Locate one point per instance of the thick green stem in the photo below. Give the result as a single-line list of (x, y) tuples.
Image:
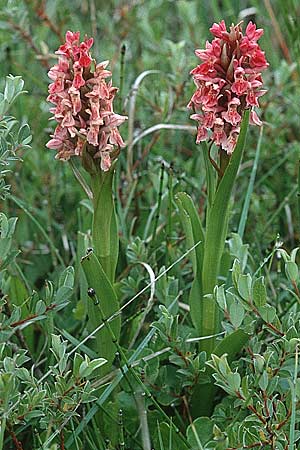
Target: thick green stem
[(216, 231), (2, 431), (213, 250), (100, 265), (105, 233)]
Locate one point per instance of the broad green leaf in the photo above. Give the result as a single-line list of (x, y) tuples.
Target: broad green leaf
[(234, 380), (292, 272), (78, 359), (97, 279), (232, 344), (216, 231), (188, 231), (194, 233), (13, 88), (24, 135), (220, 298), (66, 283), (217, 220), (194, 228), (259, 292), (237, 314), (244, 286), (263, 381), (40, 308), (19, 295), (3, 225), (267, 313), (238, 249), (88, 367), (236, 272), (201, 430), (83, 243), (105, 233), (294, 254), (195, 303), (66, 278)]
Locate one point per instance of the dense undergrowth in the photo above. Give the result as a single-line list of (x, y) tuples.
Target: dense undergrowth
[(53, 393)]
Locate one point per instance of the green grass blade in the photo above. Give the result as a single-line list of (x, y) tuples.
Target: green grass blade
[(39, 226), (293, 384), (160, 440), (249, 192), (211, 178)]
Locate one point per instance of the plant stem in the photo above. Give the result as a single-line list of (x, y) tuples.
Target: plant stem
[(208, 323), (216, 231), (122, 66), (162, 170), (245, 210), (105, 233), (2, 431), (298, 196), (294, 403)]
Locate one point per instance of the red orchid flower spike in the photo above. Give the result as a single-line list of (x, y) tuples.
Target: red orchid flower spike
[(228, 81), (83, 102)]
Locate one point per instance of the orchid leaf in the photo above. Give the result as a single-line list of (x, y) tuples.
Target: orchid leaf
[(105, 234), (211, 179), (194, 233), (192, 227), (98, 280), (216, 234), (232, 344)]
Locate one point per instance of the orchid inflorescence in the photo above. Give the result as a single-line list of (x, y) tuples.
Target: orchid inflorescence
[(83, 104), (228, 82)]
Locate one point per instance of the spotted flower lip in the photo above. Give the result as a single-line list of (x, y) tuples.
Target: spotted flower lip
[(228, 81), (83, 104)]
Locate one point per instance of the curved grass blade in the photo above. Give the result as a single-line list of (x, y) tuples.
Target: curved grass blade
[(249, 192)]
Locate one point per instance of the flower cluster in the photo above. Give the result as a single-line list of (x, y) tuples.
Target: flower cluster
[(228, 82), (83, 104)]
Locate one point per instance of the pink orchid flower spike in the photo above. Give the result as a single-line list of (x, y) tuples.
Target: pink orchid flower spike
[(228, 81), (83, 105)]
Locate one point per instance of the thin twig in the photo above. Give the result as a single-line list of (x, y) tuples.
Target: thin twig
[(27, 38), (163, 126), (278, 34), (81, 180)]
